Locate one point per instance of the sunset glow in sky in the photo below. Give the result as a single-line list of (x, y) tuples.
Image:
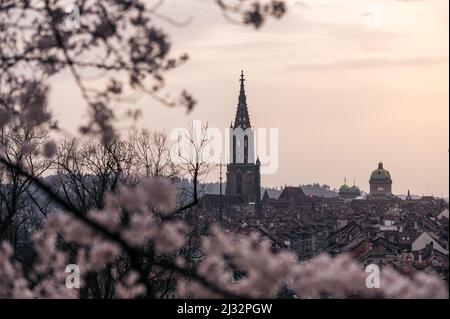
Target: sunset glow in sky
[(347, 84)]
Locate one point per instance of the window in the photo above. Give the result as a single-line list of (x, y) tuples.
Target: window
[(246, 149), (239, 183), (234, 148)]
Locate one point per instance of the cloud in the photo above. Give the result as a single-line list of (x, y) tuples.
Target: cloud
[(357, 64)]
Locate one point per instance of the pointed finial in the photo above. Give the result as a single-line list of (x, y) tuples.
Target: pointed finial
[(242, 118)]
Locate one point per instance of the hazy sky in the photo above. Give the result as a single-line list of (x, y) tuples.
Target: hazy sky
[(347, 83)]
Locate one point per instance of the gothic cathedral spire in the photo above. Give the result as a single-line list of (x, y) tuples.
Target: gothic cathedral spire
[(242, 119), (243, 174)]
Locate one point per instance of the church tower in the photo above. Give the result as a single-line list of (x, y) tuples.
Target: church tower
[(243, 173)]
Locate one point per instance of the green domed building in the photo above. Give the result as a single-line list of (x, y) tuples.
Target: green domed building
[(355, 190), (346, 192), (380, 183)]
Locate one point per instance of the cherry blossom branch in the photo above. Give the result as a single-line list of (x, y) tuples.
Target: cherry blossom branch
[(134, 253)]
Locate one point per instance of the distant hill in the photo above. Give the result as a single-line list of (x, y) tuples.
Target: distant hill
[(309, 189), (319, 190)]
